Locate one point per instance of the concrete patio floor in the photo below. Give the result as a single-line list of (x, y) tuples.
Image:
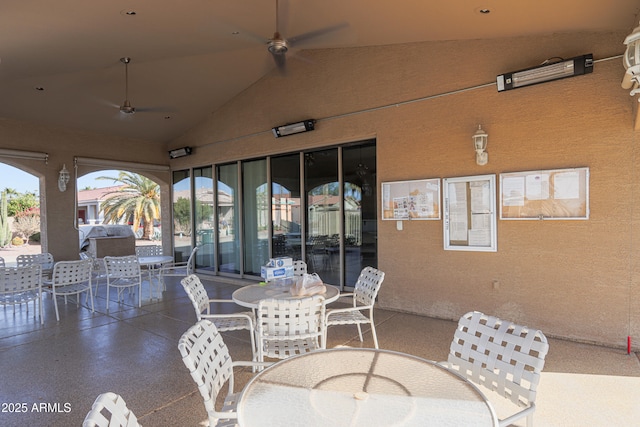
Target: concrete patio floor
[(133, 352)]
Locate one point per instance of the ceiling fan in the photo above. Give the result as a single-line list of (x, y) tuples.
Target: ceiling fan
[(278, 45), (126, 109)]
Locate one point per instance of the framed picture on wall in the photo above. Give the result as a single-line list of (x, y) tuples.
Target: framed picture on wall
[(470, 213), (410, 200)]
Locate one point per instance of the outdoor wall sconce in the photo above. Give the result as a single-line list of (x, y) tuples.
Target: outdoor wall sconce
[(631, 61), (63, 178), (480, 145)]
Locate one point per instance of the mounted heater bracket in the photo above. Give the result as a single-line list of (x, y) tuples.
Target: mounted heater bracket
[(547, 72), (293, 128)]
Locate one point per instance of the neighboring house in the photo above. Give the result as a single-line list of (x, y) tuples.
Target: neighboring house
[(89, 202)]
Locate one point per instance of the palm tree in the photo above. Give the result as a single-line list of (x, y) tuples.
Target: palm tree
[(138, 198)]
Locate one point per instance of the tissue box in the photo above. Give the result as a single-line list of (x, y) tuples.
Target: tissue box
[(280, 262), (271, 273)]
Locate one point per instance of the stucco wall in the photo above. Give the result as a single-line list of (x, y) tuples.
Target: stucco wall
[(575, 279)]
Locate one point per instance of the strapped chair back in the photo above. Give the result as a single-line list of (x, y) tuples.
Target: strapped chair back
[(21, 285), (207, 357), (299, 268), (367, 286), (45, 260), (71, 278), (285, 328), (123, 272), (149, 250), (110, 410), (502, 356)]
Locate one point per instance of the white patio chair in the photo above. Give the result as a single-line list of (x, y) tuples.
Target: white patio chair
[(224, 322), (299, 268), (21, 285), (123, 272), (45, 260), (207, 357), (363, 297), (503, 357), (71, 278), (285, 328), (178, 269), (110, 410), (97, 270)]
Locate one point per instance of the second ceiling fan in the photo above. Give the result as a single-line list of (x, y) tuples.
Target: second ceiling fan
[(278, 45)]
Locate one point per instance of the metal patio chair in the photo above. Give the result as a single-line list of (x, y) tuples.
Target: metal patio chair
[(123, 272), (289, 327), (502, 356), (110, 410), (71, 278), (364, 297), (207, 357), (224, 322), (21, 285)]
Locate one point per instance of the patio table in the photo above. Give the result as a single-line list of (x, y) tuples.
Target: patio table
[(249, 296), (361, 387), (150, 263)]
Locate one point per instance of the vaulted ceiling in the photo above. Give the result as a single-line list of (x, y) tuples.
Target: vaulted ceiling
[(60, 60)]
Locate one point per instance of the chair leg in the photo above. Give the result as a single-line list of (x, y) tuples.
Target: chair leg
[(373, 333), (55, 304)]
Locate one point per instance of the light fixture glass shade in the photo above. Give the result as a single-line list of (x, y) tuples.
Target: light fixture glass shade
[(631, 62), (63, 178), (480, 139)]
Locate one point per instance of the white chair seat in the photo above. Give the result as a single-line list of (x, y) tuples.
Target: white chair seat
[(347, 318), (229, 322)]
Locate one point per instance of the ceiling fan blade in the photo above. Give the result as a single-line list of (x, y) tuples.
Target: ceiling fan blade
[(305, 37)]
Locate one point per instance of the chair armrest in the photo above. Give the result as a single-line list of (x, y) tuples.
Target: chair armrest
[(347, 309), (221, 300), (346, 294)]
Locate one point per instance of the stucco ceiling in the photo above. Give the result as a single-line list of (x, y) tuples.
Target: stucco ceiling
[(60, 60)]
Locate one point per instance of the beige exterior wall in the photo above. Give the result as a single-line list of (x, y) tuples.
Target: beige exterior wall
[(575, 279)]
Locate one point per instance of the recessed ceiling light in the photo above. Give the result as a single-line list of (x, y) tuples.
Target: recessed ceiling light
[(484, 11), (128, 12), (39, 88), (167, 117), (235, 33)]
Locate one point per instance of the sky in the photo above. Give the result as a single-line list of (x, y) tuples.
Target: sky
[(23, 182)]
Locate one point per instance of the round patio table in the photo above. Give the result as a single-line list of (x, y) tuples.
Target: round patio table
[(150, 263), (249, 296), (361, 387)]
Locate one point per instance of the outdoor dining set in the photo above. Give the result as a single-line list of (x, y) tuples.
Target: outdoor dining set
[(38, 274), (490, 377)]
